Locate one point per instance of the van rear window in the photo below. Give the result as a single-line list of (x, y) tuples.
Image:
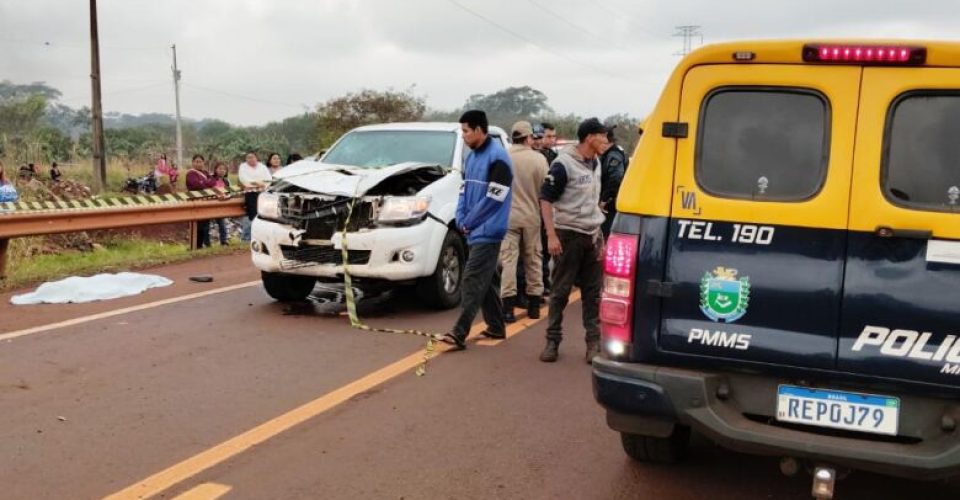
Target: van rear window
[(921, 167), (766, 144)]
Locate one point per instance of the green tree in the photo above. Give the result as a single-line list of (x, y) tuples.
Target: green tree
[(566, 125), (53, 143), (21, 115), (13, 91), (300, 131), (366, 107), (511, 104), (626, 131)]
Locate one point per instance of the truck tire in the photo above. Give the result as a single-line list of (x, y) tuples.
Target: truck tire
[(441, 290), (668, 450), (287, 287)]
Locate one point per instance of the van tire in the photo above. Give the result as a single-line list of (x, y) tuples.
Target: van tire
[(666, 450), (287, 287), (441, 290)]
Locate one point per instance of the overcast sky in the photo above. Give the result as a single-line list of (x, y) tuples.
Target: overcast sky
[(254, 61)]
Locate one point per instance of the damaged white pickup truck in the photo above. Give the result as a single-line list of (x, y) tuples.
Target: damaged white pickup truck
[(405, 178)]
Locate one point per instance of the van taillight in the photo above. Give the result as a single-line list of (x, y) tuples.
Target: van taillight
[(866, 54), (616, 302)]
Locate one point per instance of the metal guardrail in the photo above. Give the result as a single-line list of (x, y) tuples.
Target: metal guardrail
[(41, 218)]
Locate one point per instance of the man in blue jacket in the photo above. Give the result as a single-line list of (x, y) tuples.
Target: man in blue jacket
[(483, 212)]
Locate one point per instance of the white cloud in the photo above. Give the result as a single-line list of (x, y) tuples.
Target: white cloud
[(251, 61)]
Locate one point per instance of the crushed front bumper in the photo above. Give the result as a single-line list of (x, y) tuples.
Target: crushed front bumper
[(374, 253)]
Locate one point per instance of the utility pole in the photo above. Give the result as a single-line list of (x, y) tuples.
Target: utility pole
[(176, 93), (99, 145), (688, 33)]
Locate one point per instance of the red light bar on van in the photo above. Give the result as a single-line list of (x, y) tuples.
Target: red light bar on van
[(865, 54)]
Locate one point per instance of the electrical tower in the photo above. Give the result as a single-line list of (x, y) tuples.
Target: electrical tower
[(688, 33)]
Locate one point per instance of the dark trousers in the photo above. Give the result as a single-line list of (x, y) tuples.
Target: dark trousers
[(203, 233), (222, 231), (545, 261), (608, 222), (481, 290), (577, 265)]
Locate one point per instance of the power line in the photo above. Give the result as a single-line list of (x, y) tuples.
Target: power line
[(566, 21), (115, 92), (57, 45), (244, 97), (531, 42), (610, 11)]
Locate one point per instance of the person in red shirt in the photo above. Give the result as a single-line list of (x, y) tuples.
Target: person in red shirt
[(197, 180)]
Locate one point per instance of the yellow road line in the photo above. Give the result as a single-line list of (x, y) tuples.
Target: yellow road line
[(524, 322), (125, 310), (206, 491), (236, 445)]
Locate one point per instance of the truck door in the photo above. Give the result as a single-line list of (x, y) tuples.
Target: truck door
[(901, 316), (759, 215)]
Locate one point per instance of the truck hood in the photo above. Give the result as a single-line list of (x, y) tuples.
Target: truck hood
[(342, 180)]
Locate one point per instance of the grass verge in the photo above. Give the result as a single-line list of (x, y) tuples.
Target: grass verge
[(116, 255)]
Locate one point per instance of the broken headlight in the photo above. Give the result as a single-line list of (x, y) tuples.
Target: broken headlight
[(403, 208), (268, 206)]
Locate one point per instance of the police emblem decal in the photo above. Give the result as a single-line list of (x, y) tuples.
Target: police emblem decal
[(724, 297)]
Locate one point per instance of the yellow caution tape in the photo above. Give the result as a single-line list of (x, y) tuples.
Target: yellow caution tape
[(119, 202), (432, 338)]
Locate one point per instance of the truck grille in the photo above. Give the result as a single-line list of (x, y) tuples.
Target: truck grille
[(321, 217), (322, 254)]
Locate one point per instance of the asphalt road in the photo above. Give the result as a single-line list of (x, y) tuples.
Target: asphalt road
[(214, 391)]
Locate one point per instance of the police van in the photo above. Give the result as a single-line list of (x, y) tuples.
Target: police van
[(783, 276)]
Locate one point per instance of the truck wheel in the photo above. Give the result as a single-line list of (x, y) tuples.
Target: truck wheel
[(287, 287), (442, 288), (668, 450)]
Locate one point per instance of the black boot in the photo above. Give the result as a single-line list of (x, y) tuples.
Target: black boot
[(533, 307), (593, 349), (508, 304), (550, 353)]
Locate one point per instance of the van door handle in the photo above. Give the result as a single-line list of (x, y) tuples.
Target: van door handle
[(913, 234)]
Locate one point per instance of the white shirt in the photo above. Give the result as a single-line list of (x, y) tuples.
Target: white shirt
[(248, 175)]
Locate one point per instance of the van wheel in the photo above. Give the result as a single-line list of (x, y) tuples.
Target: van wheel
[(287, 287), (668, 450), (441, 289)]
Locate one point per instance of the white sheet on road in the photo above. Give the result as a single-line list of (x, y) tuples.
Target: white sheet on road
[(89, 289)]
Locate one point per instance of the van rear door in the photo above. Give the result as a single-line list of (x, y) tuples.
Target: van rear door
[(901, 306), (759, 214)]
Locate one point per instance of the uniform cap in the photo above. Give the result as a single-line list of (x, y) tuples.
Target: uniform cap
[(521, 129)]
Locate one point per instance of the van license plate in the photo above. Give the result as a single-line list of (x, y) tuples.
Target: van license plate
[(838, 410)]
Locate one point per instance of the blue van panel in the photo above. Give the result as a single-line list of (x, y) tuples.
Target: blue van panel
[(890, 286), (788, 291)]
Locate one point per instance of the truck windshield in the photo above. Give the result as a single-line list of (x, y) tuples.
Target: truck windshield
[(379, 148)]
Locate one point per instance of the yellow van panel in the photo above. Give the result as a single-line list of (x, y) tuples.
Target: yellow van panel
[(828, 208), (648, 183), (648, 187), (869, 208)]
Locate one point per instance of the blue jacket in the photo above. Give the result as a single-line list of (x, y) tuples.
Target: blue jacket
[(483, 210)]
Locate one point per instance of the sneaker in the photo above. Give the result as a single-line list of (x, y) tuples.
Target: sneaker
[(550, 352), (593, 349)]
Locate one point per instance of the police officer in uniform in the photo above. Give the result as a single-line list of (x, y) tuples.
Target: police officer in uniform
[(613, 165)]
